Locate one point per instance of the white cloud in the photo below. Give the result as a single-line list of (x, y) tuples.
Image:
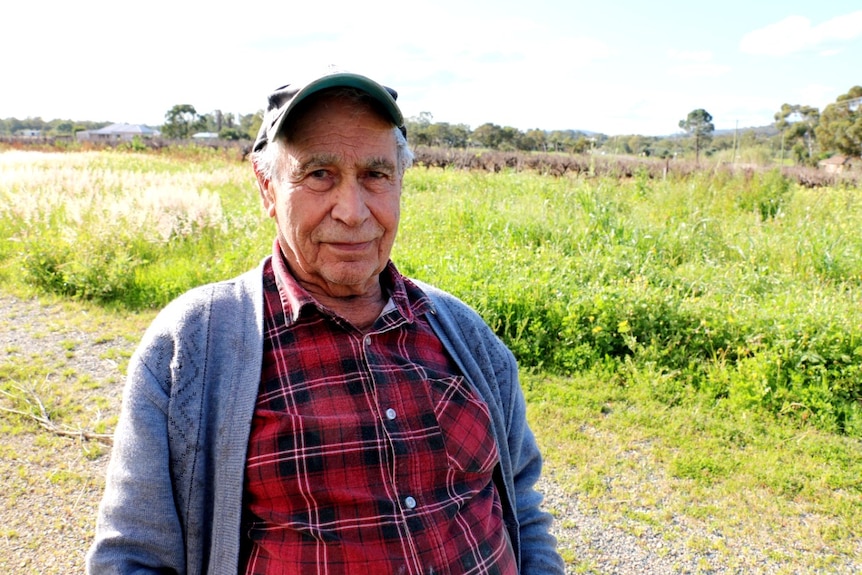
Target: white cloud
[(695, 65), (705, 70), (845, 27), (796, 33), (784, 37), (703, 56)]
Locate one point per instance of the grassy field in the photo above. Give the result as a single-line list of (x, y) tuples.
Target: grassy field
[(691, 348)]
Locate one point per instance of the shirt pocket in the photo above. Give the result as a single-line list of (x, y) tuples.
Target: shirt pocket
[(465, 424)]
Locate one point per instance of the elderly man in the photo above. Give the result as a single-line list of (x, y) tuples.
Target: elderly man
[(322, 413)]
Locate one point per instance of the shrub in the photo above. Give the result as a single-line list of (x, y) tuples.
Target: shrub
[(765, 194), (741, 289)]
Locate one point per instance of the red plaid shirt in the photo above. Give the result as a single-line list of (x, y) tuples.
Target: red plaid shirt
[(369, 453)]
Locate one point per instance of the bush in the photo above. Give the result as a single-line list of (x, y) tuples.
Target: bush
[(741, 289), (765, 194)]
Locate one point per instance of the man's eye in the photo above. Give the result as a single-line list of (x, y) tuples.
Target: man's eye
[(319, 180)]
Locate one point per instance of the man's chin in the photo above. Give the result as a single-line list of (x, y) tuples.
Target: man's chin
[(356, 282)]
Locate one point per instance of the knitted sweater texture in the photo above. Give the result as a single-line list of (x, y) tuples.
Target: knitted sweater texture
[(173, 495)]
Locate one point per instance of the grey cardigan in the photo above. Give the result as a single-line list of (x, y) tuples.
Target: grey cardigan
[(173, 495)]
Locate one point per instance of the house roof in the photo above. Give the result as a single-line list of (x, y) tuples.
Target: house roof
[(835, 160), (126, 129)]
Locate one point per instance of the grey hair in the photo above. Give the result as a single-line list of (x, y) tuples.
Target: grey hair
[(266, 160)]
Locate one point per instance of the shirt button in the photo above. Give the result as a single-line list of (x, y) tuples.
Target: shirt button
[(367, 340), (390, 414), (409, 502)]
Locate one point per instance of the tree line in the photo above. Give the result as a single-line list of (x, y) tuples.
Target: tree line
[(800, 132), (181, 122)]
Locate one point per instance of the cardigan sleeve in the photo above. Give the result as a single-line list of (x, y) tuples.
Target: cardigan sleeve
[(173, 494), (138, 529)]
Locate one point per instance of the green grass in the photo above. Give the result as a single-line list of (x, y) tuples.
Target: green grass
[(124, 228), (692, 348), (755, 482), (742, 289)]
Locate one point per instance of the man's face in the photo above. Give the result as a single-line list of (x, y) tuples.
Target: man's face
[(336, 197)]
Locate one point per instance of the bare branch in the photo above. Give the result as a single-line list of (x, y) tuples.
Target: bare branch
[(32, 399)]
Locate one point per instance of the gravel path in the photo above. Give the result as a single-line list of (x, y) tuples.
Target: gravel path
[(603, 548), (47, 524), (52, 484)]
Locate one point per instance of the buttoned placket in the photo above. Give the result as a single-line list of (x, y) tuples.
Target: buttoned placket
[(387, 414)]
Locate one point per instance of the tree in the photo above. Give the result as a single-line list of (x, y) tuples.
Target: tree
[(536, 139), (446, 135), (488, 135), (840, 127), (617, 145), (232, 134), (699, 125), (510, 139), (639, 145), (797, 124), (418, 128), (562, 140), (582, 145), (182, 121), (64, 127), (250, 124)]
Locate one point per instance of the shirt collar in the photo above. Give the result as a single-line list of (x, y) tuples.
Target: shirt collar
[(405, 298)]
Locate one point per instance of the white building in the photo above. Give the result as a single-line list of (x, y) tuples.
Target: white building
[(117, 133)]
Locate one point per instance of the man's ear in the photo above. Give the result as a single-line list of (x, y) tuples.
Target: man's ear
[(267, 193)]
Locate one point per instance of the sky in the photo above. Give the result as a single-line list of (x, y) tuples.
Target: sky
[(614, 67)]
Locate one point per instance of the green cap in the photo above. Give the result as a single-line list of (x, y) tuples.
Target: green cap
[(285, 99)]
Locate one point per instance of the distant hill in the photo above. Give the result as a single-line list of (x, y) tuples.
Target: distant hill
[(768, 130)]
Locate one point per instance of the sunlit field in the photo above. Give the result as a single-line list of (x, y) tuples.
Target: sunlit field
[(747, 289), (713, 320), (124, 228)]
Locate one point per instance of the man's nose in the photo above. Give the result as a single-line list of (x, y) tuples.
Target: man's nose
[(350, 202)]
